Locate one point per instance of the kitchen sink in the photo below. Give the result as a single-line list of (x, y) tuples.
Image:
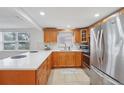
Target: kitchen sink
[(18, 57)]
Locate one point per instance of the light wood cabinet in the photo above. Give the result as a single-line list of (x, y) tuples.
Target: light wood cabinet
[(50, 35), (17, 77), (70, 59), (78, 59), (77, 34), (43, 72), (82, 35), (59, 59), (66, 59)]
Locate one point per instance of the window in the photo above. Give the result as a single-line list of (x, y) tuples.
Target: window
[(16, 40), (65, 38), (23, 41)]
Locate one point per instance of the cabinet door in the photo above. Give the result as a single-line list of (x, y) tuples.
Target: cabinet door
[(50, 36), (40, 75), (66, 59), (62, 59), (77, 34), (55, 59), (46, 36), (44, 71), (53, 36), (70, 59), (78, 59), (59, 59)]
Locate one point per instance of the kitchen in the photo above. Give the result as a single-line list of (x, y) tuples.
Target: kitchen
[(49, 46)]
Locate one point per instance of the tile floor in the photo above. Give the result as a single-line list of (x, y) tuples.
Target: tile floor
[(68, 76)]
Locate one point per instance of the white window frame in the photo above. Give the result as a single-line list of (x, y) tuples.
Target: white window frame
[(16, 41)]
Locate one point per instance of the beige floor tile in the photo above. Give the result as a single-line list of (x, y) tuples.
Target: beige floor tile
[(68, 76)]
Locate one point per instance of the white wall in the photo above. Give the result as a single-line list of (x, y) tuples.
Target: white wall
[(36, 37), (1, 46)]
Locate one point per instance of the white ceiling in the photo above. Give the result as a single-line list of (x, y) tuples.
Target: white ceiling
[(55, 17), (75, 17), (10, 19)]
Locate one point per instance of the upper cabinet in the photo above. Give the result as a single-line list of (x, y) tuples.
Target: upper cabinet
[(77, 34), (85, 34), (50, 35), (81, 35)]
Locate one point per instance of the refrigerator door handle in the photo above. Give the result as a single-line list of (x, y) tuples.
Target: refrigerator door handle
[(100, 47), (96, 38)]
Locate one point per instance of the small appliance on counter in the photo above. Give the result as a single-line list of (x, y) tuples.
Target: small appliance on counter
[(47, 47)]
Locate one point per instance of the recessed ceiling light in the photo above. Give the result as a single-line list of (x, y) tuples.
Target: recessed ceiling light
[(97, 15), (42, 13)]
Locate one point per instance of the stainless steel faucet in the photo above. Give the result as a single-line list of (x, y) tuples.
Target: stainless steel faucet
[(65, 47)]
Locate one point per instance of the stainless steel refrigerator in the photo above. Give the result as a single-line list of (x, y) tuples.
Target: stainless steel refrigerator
[(107, 48)]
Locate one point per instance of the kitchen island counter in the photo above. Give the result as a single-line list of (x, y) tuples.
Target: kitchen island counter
[(31, 61)]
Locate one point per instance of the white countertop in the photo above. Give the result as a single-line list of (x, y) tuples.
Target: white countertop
[(31, 62)]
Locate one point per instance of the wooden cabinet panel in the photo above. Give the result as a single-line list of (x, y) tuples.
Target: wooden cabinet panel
[(50, 35), (66, 59), (78, 59), (81, 35), (70, 59), (53, 36), (82, 62), (59, 59), (77, 34), (44, 71), (55, 59), (49, 64), (47, 36), (17, 77), (41, 74)]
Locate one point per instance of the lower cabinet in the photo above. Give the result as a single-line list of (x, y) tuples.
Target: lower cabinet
[(58, 59), (66, 59), (43, 72), (78, 59)]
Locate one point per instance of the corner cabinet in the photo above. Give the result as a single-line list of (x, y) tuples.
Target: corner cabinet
[(81, 35), (50, 35), (85, 34)]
